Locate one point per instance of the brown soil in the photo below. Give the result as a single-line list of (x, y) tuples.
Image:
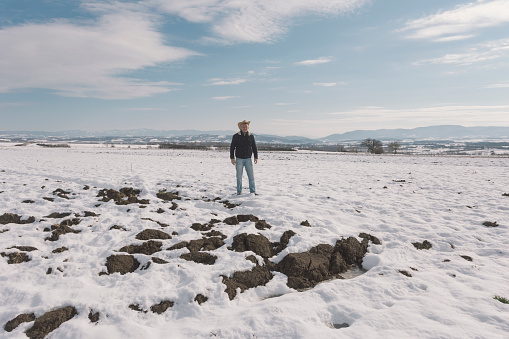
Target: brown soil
[(124, 196), (425, 245), (50, 321), (148, 234), (12, 324), (122, 264), (200, 258), (9, 218), (149, 247)]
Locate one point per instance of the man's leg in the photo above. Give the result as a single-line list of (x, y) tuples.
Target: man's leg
[(239, 166), (250, 175)]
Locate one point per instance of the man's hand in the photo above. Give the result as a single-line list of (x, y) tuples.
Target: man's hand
[(256, 161), (233, 161)]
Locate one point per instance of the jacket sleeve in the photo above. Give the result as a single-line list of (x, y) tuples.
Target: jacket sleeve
[(232, 148), (255, 149)]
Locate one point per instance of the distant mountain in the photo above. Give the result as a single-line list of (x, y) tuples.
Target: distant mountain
[(441, 132), (141, 132)]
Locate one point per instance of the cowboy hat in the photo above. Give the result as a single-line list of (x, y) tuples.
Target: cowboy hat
[(243, 122)]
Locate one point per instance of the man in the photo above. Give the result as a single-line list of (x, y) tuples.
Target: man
[(243, 146)]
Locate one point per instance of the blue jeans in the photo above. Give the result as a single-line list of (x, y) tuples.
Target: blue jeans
[(248, 164)]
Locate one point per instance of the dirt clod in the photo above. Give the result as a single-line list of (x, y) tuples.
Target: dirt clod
[(161, 307), (10, 218), (149, 234), (425, 245), (121, 263), (12, 324), (50, 321), (149, 247), (200, 258)]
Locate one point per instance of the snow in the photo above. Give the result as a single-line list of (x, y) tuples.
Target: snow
[(398, 199)]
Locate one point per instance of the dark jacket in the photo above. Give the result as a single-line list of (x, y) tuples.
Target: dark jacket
[(243, 146)]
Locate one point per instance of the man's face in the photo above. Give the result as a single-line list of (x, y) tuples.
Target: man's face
[(244, 127)]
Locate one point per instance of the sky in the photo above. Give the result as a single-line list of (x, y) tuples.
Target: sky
[(294, 67)]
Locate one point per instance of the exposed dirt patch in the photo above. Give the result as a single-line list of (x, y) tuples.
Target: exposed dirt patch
[(61, 193), (12, 324), (122, 264), (118, 227), (490, 224), (405, 273), (149, 247), (93, 316), (60, 250), (466, 257), (322, 262), (231, 220), (50, 321), (157, 222), (258, 276), (256, 243), (229, 204), (56, 215), (124, 196), (24, 248), (10, 218), (161, 307), (200, 258), (205, 244), (16, 257), (425, 245), (63, 228), (149, 234), (200, 299), (259, 244), (159, 261), (90, 214), (168, 196)]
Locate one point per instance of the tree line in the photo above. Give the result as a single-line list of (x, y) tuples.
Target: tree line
[(376, 146)]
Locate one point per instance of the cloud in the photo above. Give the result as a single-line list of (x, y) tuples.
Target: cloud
[(89, 59), (285, 103), (484, 52), (445, 114), (257, 21), (325, 84), (322, 60), (506, 85), (224, 98), (463, 22), (220, 82)]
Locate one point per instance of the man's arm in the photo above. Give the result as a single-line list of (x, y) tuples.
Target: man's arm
[(255, 150), (232, 150)]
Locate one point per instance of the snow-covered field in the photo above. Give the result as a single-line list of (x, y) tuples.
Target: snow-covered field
[(446, 291)]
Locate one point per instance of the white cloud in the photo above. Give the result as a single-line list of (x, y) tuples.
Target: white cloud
[(446, 114), (220, 82), (484, 52), (506, 85), (322, 60), (285, 103), (251, 20), (86, 60), (224, 98), (325, 84), (462, 22)]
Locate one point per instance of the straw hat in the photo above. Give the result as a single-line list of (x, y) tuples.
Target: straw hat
[(243, 122)]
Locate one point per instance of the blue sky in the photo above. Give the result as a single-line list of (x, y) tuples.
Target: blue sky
[(293, 67)]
